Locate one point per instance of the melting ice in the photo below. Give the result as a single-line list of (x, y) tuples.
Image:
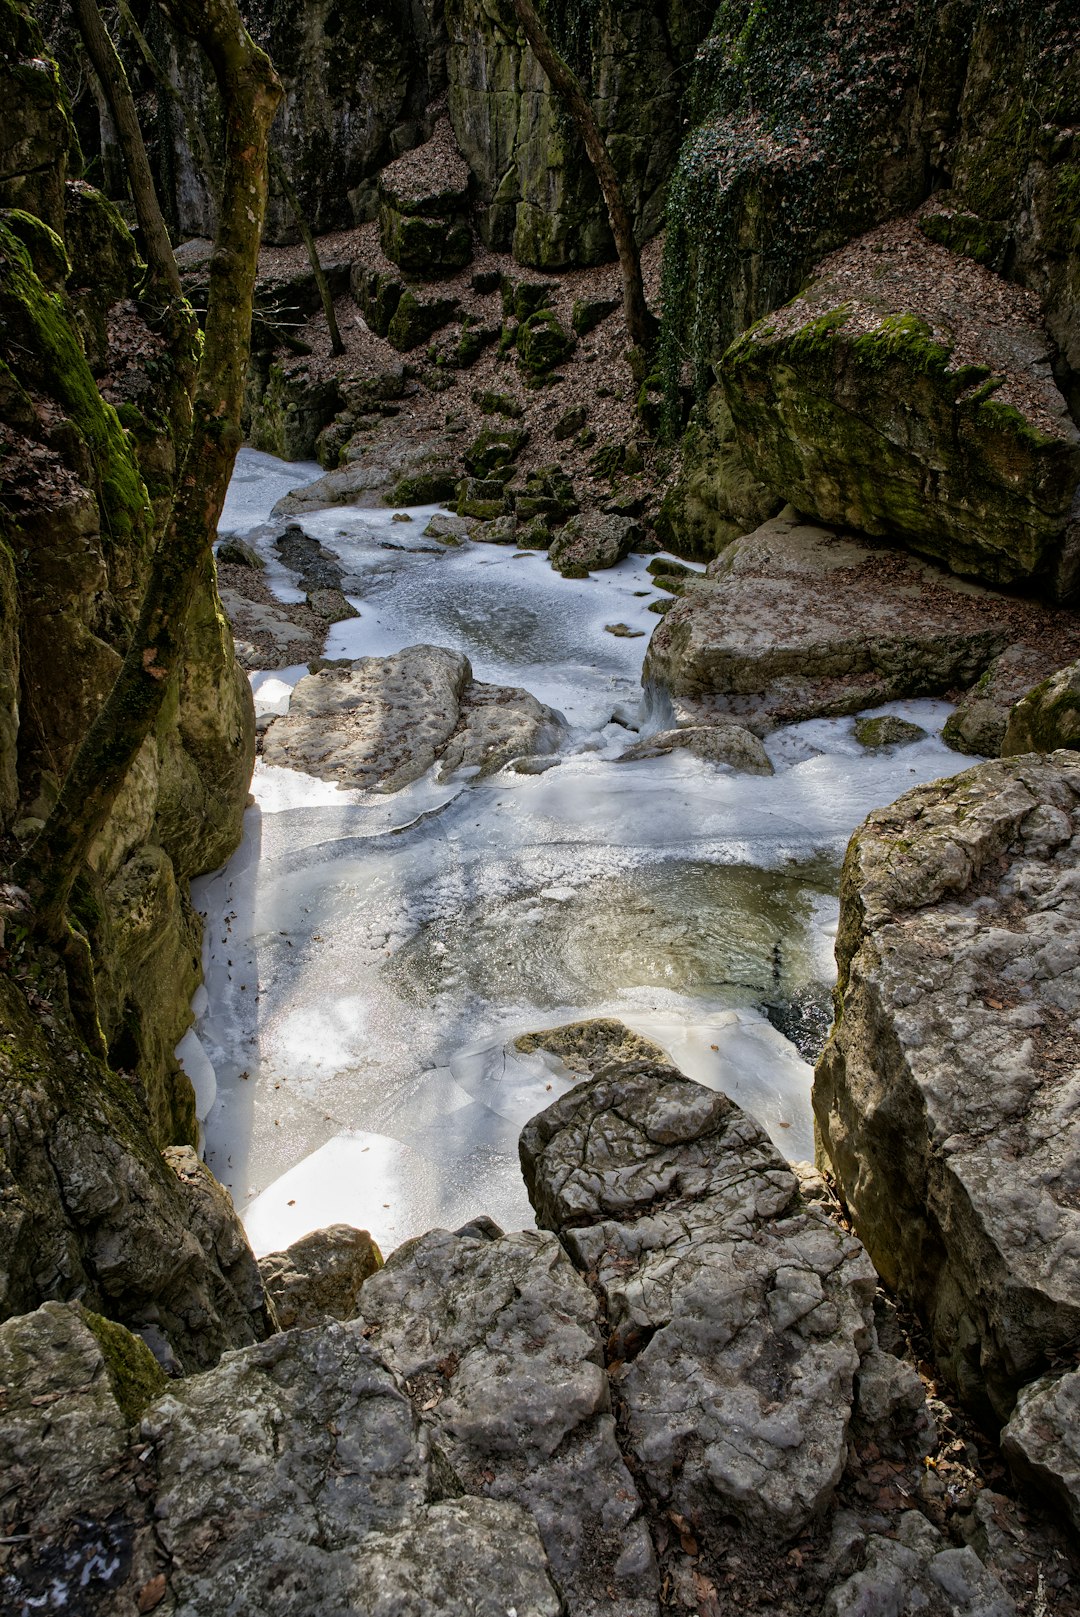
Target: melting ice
[(370, 960)]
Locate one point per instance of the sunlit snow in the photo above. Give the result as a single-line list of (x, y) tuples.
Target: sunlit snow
[(370, 959)]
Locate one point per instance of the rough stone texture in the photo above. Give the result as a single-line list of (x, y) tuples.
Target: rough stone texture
[(319, 1277), (1042, 1440), (423, 223), (798, 621), (714, 498), (497, 1342), (981, 717), (376, 464), (385, 720), (1048, 717), (538, 193), (740, 1316), (726, 744), (585, 1047), (947, 1097), (918, 1571), (887, 731), (592, 541), (294, 1478), (908, 394)]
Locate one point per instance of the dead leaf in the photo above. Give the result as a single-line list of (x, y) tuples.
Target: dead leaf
[(153, 1593)]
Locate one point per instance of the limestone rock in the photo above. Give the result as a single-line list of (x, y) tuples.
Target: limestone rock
[(714, 498), (740, 1316), (497, 1342), (1042, 1440), (319, 1277), (1046, 718), (726, 744), (919, 1572), (585, 1047), (908, 394), (982, 714), (592, 541), (423, 221), (946, 1096), (887, 731), (383, 721), (799, 621), (383, 467)]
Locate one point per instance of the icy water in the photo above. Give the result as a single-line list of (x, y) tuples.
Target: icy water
[(371, 959)]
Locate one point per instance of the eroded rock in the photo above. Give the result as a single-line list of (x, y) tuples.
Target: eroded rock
[(728, 744), (1042, 1440), (739, 1314), (947, 1097), (1046, 718), (319, 1277)]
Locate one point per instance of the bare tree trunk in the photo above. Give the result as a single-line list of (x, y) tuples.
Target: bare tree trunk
[(113, 172), (639, 322), (277, 169), (114, 81), (250, 93)]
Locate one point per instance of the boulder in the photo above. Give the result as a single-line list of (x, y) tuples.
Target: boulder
[(919, 1571), (382, 722), (319, 1277), (592, 541), (714, 498), (888, 730), (1046, 718), (543, 343), (738, 1316), (587, 1046), (798, 621), (946, 1096), (982, 715), (423, 220), (383, 467), (497, 1341), (1042, 1439), (726, 744), (907, 393)]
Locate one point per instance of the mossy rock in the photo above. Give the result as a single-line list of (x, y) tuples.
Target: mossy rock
[(570, 423), (473, 341), (588, 313), (482, 498), (888, 730), (520, 299), (543, 343), (417, 318), (1048, 717), (377, 295), (499, 404), (424, 488), (134, 1374), (493, 449), (424, 246)]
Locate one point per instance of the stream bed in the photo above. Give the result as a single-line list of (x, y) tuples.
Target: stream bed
[(370, 959)]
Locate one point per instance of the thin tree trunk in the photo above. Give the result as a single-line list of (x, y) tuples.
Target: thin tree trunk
[(196, 133), (250, 93), (114, 81), (564, 81), (277, 169)]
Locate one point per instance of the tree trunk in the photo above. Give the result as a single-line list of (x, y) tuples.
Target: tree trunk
[(277, 168), (250, 93), (639, 322), (114, 81)]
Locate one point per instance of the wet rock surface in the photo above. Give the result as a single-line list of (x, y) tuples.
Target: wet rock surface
[(797, 620), (729, 744), (383, 721), (947, 1095)]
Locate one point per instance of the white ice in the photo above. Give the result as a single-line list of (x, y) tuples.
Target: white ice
[(370, 959)]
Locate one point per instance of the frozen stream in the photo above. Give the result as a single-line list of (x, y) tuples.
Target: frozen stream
[(370, 959)]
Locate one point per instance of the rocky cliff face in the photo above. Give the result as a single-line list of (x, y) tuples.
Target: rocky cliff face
[(92, 422)]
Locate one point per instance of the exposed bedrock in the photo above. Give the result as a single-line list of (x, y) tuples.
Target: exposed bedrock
[(907, 393), (383, 721), (738, 1315), (948, 1097), (797, 620)]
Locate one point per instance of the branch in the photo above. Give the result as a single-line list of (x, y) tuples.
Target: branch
[(277, 169)]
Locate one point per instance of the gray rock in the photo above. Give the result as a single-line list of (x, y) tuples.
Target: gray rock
[(1042, 1440), (982, 714), (498, 1345), (728, 744), (447, 528), (793, 622), (384, 721), (1046, 718), (591, 542), (319, 1277), (946, 1095), (919, 1573), (331, 605), (238, 553), (887, 731), (739, 1315)]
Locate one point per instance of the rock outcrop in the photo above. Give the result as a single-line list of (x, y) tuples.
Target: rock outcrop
[(1047, 717), (383, 721), (798, 620), (947, 1095), (907, 393)]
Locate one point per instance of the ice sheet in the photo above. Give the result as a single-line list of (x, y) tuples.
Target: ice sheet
[(369, 960)]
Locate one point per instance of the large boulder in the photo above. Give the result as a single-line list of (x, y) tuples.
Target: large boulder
[(946, 1095), (383, 721), (738, 1315), (798, 621), (1047, 717), (423, 220), (497, 1340), (907, 393)]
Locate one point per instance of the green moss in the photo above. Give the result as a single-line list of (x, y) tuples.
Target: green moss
[(134, 1374)]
